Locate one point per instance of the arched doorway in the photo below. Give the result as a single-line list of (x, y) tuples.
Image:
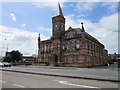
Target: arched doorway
[(55, 60)]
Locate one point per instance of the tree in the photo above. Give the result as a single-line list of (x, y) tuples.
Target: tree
[(16, 56), (7, 59), (13, 56)]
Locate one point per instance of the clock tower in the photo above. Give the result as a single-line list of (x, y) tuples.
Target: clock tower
[(58, 23)]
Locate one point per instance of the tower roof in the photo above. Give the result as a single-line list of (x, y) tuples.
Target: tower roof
[(58, 10)]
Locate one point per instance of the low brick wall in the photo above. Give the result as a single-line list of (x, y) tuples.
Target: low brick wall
[(39, 64), (16, 64)]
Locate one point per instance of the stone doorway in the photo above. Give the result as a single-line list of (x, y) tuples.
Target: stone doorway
[(55, 60)]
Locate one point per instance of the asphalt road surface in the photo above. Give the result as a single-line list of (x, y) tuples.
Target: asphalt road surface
[(87, 71), (21, 80)]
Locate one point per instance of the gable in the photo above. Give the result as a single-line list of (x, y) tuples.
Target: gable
[(72, 32)]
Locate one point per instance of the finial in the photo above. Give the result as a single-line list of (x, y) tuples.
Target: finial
[(39, 37), (39, 40), (83, 30), (82, 23)]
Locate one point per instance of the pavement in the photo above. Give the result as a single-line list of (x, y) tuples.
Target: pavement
[(81, 73)]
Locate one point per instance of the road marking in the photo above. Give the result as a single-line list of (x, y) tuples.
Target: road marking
[(68, 83), (19, 85), (3, 81)]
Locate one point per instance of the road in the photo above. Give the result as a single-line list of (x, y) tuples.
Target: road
[(21, 80), (103, 72), (97, 74)]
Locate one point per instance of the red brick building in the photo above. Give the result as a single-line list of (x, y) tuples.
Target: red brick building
[(72, 47), (114, 56)]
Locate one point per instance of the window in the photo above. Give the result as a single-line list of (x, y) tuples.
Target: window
[(66, 58), (45, 48), (75, 58), (68, 45), (63, 46), (88, 45), (49, 58), (70, 35), (62, 26), (57, 46), (73, 45), (42, 59), (77, 44), (49, 47)]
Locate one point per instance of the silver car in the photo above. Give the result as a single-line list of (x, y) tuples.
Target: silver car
[(6, 64), (1, 64)]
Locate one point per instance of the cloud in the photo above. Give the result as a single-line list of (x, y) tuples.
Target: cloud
[(82, 7), (103, 30), (44, 31), (17, 39), (85, 6), (44, 4), (48, 3), (60, 0), (23, 25), (12, 16), (112, 6)]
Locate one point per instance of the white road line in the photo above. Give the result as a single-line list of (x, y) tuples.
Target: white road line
[(68, 83), (19, 85), (3, 81)]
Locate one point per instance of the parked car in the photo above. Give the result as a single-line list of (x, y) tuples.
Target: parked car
[(6, 64), (1, 64)]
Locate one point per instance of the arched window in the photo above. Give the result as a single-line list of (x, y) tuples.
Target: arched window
[(77, 44), (50, 47), (75, 58), (66, 58), (73, 44), (68, 45), (41, 48), (63, 46), (49, 59), (57, 43), (44, 48)]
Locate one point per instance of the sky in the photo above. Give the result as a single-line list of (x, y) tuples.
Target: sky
[(21, 22)]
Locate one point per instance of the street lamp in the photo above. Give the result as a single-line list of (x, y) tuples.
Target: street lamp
[(6, 45)]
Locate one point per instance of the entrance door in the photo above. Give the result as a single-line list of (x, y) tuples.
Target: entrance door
[(56, 59)]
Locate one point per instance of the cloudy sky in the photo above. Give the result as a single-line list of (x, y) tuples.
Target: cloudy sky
[(23, 21)]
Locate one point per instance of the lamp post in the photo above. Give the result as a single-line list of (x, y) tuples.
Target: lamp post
[(6, 45)]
